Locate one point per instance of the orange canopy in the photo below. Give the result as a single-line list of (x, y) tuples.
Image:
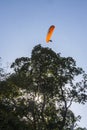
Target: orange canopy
[(49, 34)]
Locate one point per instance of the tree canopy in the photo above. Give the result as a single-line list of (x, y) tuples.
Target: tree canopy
[(39, 93)]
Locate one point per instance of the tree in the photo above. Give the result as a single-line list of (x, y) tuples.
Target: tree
[(1, 71), (8, 93), (46, 88)]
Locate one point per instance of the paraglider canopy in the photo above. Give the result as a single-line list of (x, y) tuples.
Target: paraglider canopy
[(49, 34)]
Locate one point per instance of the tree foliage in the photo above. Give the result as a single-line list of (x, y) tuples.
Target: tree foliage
[(40, 92)]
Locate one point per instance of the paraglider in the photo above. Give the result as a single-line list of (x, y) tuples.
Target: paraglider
[(49, 34)]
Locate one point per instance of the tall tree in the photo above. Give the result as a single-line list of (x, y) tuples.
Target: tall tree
[(46, 87)]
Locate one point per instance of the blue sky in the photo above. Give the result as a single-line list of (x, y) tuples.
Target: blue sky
[(24, 24)]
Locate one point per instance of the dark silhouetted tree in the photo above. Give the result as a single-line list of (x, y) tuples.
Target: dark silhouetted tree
[(43, 88)]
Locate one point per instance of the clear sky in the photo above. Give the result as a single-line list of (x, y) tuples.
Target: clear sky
[(24, 24)]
